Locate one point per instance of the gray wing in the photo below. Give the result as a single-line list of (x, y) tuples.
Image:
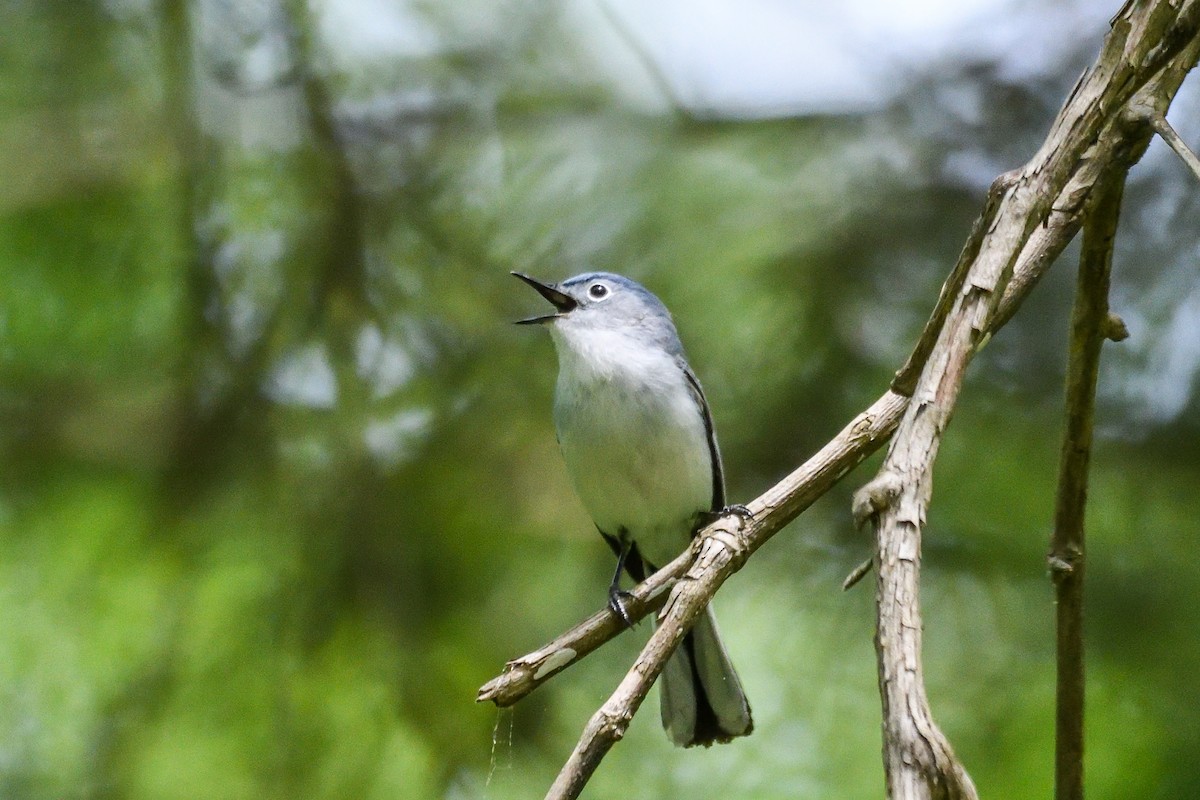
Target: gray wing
[(718, 472)]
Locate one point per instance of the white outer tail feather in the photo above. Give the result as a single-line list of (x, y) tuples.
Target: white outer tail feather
[(720, 684)]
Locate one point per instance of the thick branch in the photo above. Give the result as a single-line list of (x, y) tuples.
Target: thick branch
[(1089, 327), (919, 761)]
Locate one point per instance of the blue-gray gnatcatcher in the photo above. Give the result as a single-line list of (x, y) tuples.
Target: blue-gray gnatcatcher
[(638, 441)]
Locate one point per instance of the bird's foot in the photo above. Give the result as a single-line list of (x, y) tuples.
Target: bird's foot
[(616, 602), (738, 510)]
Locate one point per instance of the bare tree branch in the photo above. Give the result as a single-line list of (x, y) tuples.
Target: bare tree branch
[(906, 378), (786, 500), (1029, 218), (1089, 325), (1164, 129), (797, 491), (772, 511), (918, 759), (722, 551), (522, 675)]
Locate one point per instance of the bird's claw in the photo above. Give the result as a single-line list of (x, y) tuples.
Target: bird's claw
[(616, 602), (738, 510)]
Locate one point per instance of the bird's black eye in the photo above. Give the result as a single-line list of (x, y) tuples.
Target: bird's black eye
[(598, 291)]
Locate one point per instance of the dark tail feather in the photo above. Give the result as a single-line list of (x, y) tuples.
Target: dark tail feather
[(702, 697)]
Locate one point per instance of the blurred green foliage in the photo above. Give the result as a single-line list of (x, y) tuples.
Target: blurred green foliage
[(278, 486)]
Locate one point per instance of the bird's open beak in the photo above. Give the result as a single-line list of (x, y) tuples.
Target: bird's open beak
[(563, 302)]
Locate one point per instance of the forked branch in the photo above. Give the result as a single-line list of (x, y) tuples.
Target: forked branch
[(1029, 218), (918, 759)]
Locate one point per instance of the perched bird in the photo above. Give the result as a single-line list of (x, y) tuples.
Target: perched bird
[(638, 441)]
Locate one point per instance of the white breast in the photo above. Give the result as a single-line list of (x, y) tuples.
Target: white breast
[(634, 440)]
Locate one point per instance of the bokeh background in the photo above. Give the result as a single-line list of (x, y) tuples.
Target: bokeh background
[(278, 484)]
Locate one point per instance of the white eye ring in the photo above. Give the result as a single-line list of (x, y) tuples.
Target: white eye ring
[(597, 291)]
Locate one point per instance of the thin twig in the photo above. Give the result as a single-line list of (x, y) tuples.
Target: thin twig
[(906, 378), (1089, 326), (522, 675), (1164, 129), (771, 511), (857, 574), (722, 550)]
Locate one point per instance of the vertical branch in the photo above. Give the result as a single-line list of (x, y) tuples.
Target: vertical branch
[(1090, 325)]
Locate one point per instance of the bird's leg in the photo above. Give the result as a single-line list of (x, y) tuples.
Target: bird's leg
[(617, 595)]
